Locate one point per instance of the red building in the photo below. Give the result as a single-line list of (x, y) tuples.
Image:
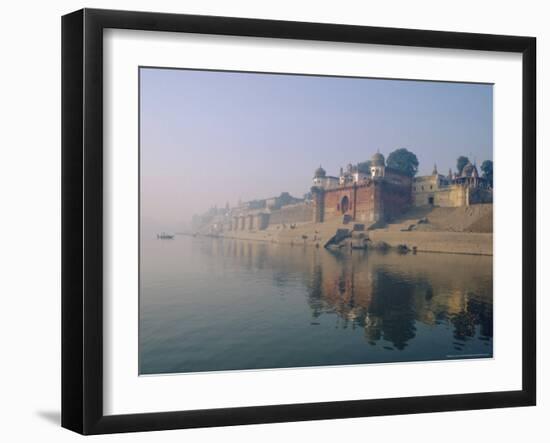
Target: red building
[(363, 197)]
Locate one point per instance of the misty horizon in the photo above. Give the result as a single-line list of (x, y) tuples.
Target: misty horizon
[(211, 138)]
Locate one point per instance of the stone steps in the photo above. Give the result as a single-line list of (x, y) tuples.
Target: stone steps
[(460, 219)]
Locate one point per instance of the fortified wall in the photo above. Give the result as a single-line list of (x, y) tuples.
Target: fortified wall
[(297, 213), (370, 194), (451, 196), (370, 202), (260, 219), (365, 196), (452, 191)]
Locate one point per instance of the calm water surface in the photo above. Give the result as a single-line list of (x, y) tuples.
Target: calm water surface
[(213, 304)]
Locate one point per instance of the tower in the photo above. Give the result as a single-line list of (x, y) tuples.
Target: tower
[(378, 165), (319, 177)]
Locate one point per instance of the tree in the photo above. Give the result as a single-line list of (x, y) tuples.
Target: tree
[(460, 163), (404, 161), (364, 167), (487, 171)]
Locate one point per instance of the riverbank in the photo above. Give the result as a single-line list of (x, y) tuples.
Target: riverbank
[(461, 230), (443, 242), (317, 234)]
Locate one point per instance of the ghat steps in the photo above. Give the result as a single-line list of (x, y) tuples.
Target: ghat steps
[(475, 218)]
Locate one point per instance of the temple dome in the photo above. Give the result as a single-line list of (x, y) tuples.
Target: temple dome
[(378, 160), (468, 170), (320, 172)]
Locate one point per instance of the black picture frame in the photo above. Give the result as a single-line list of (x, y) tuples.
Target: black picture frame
[(82, 218)]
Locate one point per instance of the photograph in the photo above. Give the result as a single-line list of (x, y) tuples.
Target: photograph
[(275, 222), (291, 220)]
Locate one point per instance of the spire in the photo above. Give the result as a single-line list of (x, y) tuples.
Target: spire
[(450, 174), (434, 172)]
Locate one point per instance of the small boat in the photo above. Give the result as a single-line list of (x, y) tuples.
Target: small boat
[(165, 236)]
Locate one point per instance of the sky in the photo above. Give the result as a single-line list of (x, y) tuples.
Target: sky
[(212, 137)]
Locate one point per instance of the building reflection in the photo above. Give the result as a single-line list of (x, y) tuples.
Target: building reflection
[(388, 295)]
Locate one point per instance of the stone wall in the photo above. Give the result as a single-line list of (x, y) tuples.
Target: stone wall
[(318, 195), (394, 200), (361, 203), (447, 197), (453, 196), (261, 221), (368, 203), (333, 200), (298, 213), (397, 178)]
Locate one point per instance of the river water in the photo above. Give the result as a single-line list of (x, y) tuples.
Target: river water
[(211, 304)]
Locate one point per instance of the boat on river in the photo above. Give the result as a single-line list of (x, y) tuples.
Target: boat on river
[(165, 236)]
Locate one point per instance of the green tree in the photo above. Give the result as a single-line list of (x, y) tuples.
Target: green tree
[(460, 163), (487, 171), (364, 167), (403, 160)]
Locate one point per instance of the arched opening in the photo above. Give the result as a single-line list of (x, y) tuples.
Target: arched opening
[(344, 205)]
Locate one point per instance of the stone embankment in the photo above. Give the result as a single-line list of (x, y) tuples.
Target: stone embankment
[(475, 218), (465, 230), (446, 242)]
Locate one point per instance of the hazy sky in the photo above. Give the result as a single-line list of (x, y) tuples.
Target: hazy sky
[(208, 138)]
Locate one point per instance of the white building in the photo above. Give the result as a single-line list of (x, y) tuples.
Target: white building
[(378, 165), (324, 181)]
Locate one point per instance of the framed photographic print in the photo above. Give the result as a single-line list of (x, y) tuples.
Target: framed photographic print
[(270, 221)]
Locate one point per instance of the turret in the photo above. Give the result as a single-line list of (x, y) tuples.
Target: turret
[(378, 165), (320, 172)]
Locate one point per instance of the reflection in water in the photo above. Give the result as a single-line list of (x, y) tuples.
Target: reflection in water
[(212, 304), (389, 297)]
